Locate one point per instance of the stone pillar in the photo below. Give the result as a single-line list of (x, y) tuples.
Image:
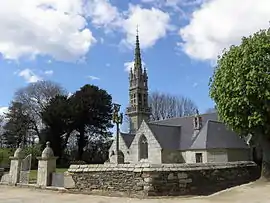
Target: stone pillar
[(46, 166), (15, 165)]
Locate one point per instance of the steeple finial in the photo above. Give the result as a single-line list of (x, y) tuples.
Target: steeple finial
[(137, 60)]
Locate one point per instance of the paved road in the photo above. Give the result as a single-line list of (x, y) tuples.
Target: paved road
[(250, 193)]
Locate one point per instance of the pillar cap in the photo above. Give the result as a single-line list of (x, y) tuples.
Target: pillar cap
[(47, 152), (19, 152)]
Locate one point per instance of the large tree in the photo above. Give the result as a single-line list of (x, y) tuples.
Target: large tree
[(35, 97), (240, 87), (17, 125), (57, 118), (164, 106), (92, 114)]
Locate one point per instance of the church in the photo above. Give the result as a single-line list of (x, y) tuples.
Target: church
[(193, 139)]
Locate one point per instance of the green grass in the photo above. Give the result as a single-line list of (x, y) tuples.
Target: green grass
[(33, 174)]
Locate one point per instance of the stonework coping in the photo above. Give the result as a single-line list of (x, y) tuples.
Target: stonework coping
[(47, 152), (18, 154), (143, 167)]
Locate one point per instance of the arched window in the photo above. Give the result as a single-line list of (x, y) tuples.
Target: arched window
[(143, 148)]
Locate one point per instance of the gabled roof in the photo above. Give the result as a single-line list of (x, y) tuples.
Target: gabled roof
[(215, 135), (167, 136), (186, 124), (128, 138)]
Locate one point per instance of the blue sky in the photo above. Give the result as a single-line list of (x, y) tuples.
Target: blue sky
[(79, 42)]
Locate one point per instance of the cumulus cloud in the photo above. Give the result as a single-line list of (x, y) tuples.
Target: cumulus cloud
[(44, 27), (153, 25), (102, 13), (130, 65), (217, 24), (153, 20), (29, 76)]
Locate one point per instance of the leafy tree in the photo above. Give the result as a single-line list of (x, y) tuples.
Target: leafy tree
[(240, 87), (35, 97), (57, 118), (17, 125), (92, 112), (166, 106)]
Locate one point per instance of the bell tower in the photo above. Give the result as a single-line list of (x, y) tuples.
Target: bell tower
[(138, 109)]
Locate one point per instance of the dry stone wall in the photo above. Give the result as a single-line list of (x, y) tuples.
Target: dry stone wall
[(161, 180)]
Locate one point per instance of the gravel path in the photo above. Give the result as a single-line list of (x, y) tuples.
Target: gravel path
[(250, 193)]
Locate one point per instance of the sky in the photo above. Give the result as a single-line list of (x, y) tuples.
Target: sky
[(78, 42)]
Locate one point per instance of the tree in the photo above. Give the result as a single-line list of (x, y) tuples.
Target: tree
[(166, 106), (57, 118), (92, 112), (17, 125), (35, 97), (240, 87)]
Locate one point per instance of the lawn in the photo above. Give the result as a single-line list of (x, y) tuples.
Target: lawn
[(33, 174)]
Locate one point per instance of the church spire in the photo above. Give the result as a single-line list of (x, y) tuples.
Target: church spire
[(137, 60)]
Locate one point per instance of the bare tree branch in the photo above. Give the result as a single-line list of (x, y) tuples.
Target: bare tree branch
[(166, 106), (35, 97)]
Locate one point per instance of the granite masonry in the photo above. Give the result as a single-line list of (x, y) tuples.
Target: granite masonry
[(161, 179)]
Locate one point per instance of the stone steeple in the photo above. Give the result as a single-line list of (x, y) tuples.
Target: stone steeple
[(138, 109)]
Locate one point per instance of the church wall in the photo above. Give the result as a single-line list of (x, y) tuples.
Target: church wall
[(190, 156), (239, 154), (154, 149), (172, 156), (122, 147), (217, 155)]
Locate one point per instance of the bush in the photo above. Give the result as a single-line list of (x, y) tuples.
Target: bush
[(5, 153)]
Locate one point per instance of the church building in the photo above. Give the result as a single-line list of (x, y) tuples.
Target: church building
[(193, 139)]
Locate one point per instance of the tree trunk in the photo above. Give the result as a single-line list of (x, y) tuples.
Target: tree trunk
[(81, 144), (265, 173)]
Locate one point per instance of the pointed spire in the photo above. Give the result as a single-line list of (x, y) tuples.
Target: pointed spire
[(137, 60)]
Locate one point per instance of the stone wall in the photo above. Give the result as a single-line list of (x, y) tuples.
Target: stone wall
[(161, 180)]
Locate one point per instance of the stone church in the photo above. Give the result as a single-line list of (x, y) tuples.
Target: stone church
[(193, 139)]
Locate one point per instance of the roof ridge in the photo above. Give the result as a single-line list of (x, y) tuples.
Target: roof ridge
[(190, 116), (164, 125)]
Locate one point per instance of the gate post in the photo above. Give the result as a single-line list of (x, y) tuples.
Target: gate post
[(46, 166), (15, 165)]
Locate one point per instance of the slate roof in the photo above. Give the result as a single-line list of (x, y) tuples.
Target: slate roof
[(186, 133), (215, 135), (167, 136), (128, 138), (177, 134)]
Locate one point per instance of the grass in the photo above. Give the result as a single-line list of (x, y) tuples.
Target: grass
[(33, 174)]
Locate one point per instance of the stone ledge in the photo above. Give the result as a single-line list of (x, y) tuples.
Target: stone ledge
[(144, 167)]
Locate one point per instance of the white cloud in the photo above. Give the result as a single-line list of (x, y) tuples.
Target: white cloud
[(91, 77), (130, 65), (48, 72), (153, 25), (102, 13), (44, 27), (217, 24), (154, 21), (3, 109), (29, 76)]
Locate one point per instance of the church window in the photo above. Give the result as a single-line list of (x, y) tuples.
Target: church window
[(198, 157), (143, 148)]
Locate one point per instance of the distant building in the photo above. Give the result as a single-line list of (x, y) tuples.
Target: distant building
[(193, 139)]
